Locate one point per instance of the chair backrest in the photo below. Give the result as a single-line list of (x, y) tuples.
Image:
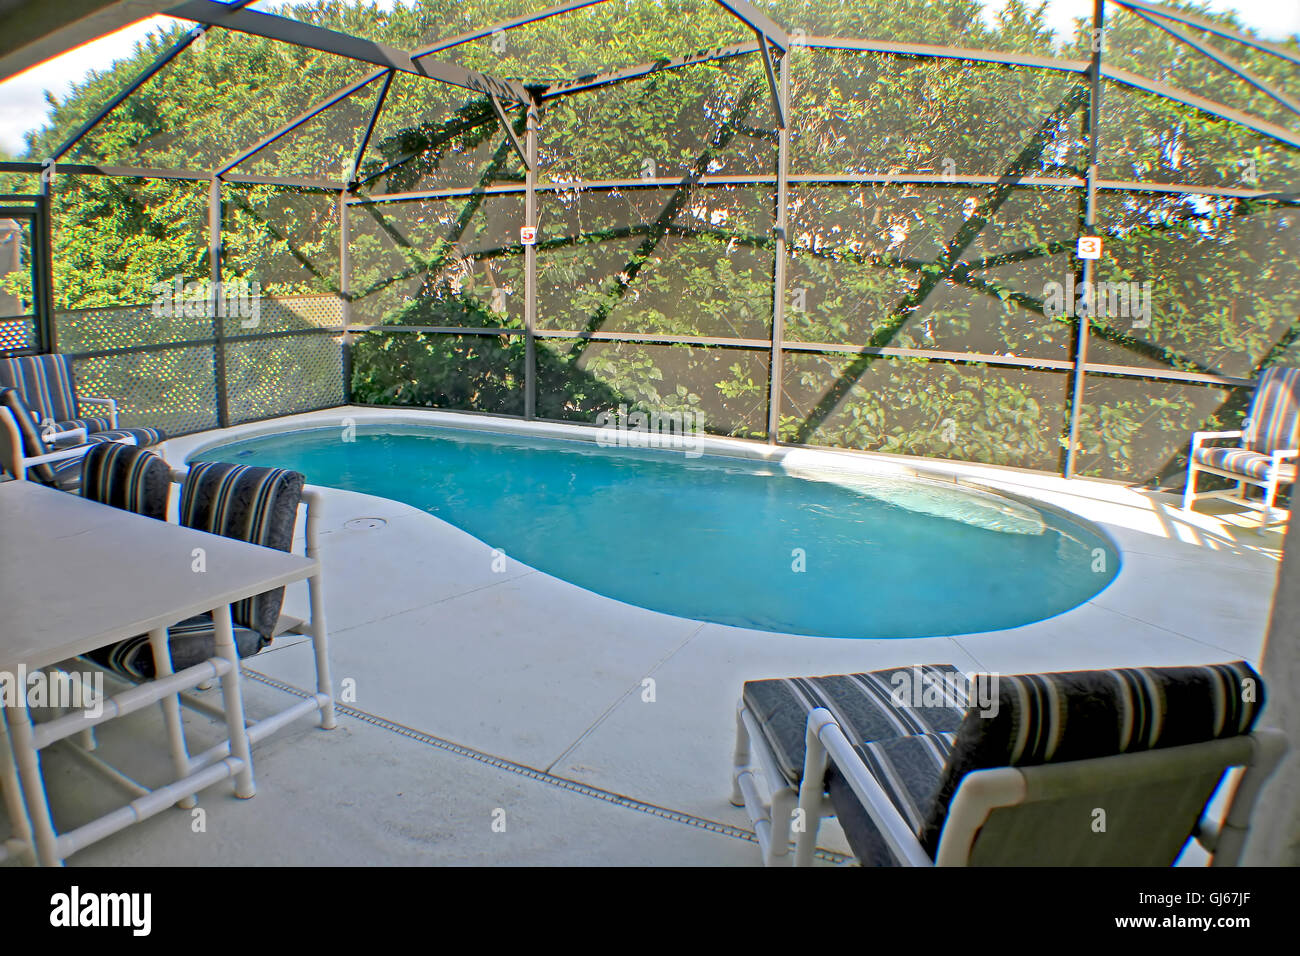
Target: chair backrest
[(254, 504), (45, 383), (126, 477), (30, 441), (1134, 744), (1275, 412)]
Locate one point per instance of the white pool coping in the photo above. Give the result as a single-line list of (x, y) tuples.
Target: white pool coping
[(1127, 517), (506, 689)]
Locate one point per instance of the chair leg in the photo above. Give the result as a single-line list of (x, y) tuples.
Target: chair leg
[(320, 644), (233, 701), (171, 708), (782, 814), (1270, 493), (812, 790), (1189, 489), (740, 759), (11, 789)]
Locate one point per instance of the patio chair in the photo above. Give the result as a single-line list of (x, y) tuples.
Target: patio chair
[(254, 504), (48, 387), (28, 452), (1110, 767), (1264, 456), (127, 477)]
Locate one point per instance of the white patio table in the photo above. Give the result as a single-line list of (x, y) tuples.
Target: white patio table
[(75, 576)]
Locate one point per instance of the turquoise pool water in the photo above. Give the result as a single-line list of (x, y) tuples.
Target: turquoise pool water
[(722, 539)]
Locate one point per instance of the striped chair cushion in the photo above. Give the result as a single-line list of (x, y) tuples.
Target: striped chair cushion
[(1242, 461), (45, 382), (143, 436), (910, 771), (1079, 715), (1275, 411), (254, 504), (191, 642), (126, 477), (91, 425), (865, 705), (30, 432)]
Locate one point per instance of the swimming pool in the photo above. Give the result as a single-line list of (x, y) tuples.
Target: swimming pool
[(727, 540)]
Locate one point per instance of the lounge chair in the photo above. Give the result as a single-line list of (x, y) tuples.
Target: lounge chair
[(1267, 448), (30, 452), (1112, 767), (254, 504), (47, 385)]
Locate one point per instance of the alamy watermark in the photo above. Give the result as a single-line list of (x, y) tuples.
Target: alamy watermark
[(236, 298), (679, 431), (917, 688), (59, 689), (1115, 300)]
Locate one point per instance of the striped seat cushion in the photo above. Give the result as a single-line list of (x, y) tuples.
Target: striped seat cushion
[(191, 642), (1079, 715), (253, 504), (46, 384), (127, 477), (910, 771), (1275, 412), (91, 425), (1242, 461), (866, 706), (143, 436)]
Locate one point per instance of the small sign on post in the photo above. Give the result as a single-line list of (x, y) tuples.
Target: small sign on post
[(1090, 247), (528, 235)]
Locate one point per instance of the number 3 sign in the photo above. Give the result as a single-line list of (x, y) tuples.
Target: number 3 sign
[(1090, 247)]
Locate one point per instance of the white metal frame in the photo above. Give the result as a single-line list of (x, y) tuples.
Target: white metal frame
[(111, 404), (16, 463), (257, 731), (1270, 484), (33, 824), (980, 793)]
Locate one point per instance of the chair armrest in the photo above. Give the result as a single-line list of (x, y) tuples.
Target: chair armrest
[(1198, 438), (824, 732), (1285, 453), (62, 455), (78, 433), (110, 402)]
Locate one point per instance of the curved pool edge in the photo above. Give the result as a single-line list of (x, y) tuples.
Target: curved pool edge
[(1121, 515)]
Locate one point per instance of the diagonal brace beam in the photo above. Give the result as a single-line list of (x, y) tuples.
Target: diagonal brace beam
[(297, 121), (306, 35), (351, 180), (485, 32), (1210, 26), (145, 76), (768, 67), (509, 130), (1221, 58), (758, 21)]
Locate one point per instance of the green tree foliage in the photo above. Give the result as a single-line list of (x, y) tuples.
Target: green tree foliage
[(930, 266)]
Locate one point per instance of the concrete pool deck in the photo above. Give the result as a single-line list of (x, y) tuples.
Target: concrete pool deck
[(481, 695)]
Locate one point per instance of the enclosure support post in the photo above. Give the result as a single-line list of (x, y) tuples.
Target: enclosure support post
[(530, 267), (1089, 228), (345, 296), (778, 273), (47, 331), (218, 324)]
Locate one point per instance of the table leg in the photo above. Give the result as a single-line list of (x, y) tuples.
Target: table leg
[(29, 768), (171, 708), (13, 797), (234, 701), (320, 644)]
